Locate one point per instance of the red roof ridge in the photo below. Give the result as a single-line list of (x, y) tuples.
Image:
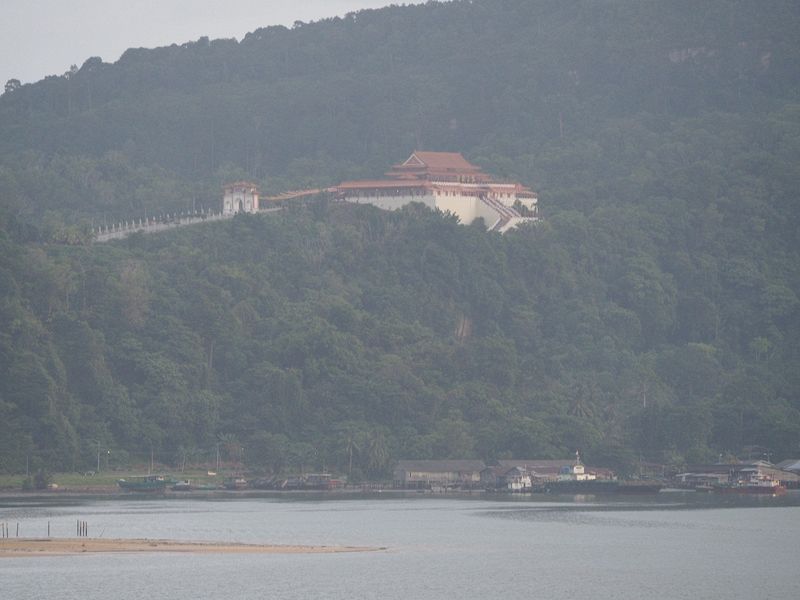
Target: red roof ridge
[(439, 160)]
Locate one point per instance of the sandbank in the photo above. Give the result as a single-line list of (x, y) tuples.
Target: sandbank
[(15, 547)]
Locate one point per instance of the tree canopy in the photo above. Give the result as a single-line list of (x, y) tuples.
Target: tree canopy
[(653, 313)]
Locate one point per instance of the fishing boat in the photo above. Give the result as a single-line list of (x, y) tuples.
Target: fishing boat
[(587, 486), (235, 483), (145, 483), (639, 486), (754, 484)]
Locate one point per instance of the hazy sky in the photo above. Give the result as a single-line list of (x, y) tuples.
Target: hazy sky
[(45, 37)]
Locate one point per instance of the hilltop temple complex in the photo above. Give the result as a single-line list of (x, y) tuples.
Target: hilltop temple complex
[(446, 181)]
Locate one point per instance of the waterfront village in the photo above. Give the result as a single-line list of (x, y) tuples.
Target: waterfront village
[(568, 476)]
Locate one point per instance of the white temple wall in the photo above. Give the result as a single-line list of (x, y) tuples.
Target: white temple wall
[(465, 207), (392, 202)]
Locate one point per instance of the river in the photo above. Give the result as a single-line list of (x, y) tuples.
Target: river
[(670, 545)]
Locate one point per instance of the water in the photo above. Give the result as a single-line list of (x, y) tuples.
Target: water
[(665, 546)]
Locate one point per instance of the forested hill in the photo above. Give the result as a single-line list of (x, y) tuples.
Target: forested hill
[(557, 93), (654, 314)]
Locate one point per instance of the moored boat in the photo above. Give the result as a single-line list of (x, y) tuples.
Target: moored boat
[(145, 483), (639, 486), (755, 484), (235, 483), (589, 486)]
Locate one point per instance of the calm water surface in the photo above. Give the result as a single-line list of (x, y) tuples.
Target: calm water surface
[(669, 545)]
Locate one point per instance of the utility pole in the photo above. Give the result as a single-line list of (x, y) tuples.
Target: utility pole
[(98, 457)]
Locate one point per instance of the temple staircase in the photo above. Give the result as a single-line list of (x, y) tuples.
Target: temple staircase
[(506, 214)]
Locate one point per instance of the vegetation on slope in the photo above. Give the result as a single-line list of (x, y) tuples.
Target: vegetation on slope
[(654, 313)]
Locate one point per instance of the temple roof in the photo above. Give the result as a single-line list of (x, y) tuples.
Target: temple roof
[(386, 183), (240, 184), (437, 171), (440, 161)]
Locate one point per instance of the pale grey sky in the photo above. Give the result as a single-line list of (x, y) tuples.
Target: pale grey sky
[(45, 37)]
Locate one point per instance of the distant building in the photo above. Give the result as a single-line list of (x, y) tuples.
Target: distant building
[(542, 471), (792, 464), (240, 197), (553, 470), (575, 471), (446, 181), (437, 473), (730, 472), (542, 468), (515, 479)]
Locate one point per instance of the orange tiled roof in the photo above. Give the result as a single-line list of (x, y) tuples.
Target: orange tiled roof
[(441, 161), (385, 183), (237, 184)]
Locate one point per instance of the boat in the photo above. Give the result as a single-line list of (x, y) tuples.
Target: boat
[(235, 483), (204, 487), (145, 483), (318, 481), (754, 484), (639, 486), (186, 485), (586, 486)]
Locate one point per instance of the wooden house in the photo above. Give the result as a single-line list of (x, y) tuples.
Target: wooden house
[(424, 474)]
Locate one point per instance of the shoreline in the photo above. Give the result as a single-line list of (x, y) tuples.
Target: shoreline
[(22, 547), (114, 493)]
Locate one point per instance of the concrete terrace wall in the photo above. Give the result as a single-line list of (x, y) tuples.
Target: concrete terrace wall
[(466, 208), (392, 202)]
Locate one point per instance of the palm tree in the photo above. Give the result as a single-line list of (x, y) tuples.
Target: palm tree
[(582, 402), (349, 444), (186, 454), (377, 451), (229, 441)]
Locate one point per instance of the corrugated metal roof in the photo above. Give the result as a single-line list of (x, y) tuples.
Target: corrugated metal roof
[(792, 464), (534, 463), (441, 466)]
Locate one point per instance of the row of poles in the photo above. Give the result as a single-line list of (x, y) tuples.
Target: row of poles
[(5, 530), (81, 529)]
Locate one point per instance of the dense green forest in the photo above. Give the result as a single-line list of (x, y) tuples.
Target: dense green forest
[(652, 315)]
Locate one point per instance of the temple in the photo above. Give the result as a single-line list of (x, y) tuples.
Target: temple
[(446, 181)]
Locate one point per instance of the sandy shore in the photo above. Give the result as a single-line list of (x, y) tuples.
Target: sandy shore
[(63, 546)]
